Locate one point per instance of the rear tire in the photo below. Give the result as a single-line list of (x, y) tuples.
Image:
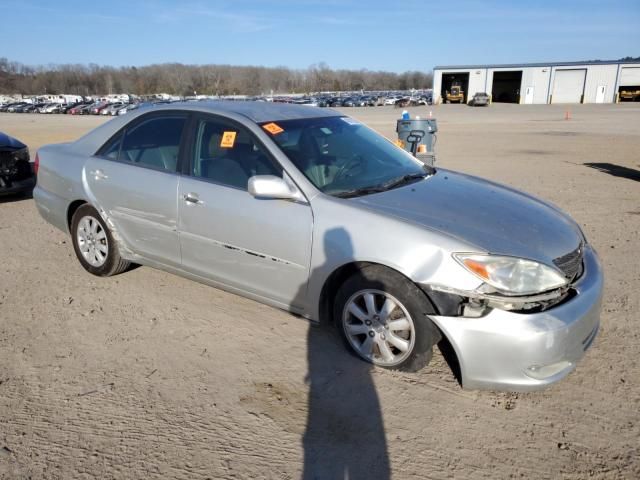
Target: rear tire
[(384, 319), (94, 245)]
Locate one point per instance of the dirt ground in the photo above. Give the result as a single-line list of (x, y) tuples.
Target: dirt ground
[(148, 375)]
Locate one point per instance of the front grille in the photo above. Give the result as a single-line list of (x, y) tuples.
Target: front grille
[(6, 160), (12, 168), (571, 263)]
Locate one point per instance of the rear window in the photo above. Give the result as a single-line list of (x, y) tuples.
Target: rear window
[(153, 143)]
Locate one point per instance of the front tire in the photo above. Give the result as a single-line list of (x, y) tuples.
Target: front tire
[(94, 245), (383, 318)]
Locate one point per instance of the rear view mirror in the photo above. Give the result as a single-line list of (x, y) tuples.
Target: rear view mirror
[(270, 186)]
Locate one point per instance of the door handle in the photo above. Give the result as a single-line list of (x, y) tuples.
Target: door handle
[(192, 198), (99, 174)]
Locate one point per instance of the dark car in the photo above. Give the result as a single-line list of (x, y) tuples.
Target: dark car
[(78, 108), (372, 101), (33, 108), (17, 173), (360, 101), (87, 109), (83, 109), (12, 106), (8, 106), (20, 107), (67, 107), (425, 99), (480, 99), (75, 109), (98, 107), (406, 102)]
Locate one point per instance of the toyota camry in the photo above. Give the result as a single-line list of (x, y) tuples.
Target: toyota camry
[(311, 211)]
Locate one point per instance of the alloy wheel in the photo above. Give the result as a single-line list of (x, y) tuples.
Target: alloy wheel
[(92, 241), (378, 327)]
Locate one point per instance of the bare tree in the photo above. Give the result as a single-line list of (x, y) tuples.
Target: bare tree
[(180, 79)]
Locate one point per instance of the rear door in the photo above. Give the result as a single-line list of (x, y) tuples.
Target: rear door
[(261, 246), (528, 96), (133, 179)]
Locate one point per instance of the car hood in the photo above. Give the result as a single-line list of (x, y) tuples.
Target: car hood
[(10, 143), (495, 218)]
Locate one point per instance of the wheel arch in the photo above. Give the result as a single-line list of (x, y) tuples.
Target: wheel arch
[(341, 273), (73, 206), (331, 286)]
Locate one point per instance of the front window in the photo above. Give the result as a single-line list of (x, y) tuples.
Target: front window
[(342, 157), (228, 154)]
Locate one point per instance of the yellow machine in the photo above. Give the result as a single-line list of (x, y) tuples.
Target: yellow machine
[(456, 94), (630, 95)]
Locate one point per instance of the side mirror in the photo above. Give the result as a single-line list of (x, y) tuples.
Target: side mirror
[(272, 187)]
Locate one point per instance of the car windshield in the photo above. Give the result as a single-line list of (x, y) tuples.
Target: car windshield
[(342, 157)]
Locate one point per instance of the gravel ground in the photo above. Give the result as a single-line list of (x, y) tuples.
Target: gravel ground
[(148, 375)]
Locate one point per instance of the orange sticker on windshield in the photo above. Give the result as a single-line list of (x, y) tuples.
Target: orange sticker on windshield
[(228, 140), (273, 128)]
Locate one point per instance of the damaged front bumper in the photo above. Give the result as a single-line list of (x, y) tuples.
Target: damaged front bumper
[(16, 171), (528, 350), (17, 186)]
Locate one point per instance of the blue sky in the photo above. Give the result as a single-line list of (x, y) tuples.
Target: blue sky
[(376, 35)]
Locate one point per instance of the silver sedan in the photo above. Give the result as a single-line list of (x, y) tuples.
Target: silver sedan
[(310, 211)]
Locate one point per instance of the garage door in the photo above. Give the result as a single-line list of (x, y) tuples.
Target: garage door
[(630, 76), (568, 86)]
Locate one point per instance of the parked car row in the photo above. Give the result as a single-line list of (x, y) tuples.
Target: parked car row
[(80, 108), (119, 106), (356, 100)]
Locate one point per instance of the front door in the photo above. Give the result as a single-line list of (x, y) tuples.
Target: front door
[(528, 97), (600, 92), (259, 246), (133, 180)]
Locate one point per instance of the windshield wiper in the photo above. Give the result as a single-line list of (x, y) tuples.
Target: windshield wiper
[(403, 180), (388, 185), (357, 192)]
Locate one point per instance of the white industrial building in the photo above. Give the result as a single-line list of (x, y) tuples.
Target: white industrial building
[(541, 83)]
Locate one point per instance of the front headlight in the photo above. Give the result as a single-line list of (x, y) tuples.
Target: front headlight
[(22, 154), (510, 275)]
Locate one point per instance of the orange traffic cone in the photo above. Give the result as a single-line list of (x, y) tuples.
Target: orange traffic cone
[(567, 114)]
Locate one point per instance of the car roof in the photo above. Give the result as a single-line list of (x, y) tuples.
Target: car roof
[(256, 111)]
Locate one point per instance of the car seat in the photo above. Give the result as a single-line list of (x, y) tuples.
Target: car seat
[(225, 171), (231, 166)]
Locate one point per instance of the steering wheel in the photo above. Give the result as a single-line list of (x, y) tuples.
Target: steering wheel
[(353, 162)]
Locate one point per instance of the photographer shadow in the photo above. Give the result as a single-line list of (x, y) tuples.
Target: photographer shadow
[(344, 436)]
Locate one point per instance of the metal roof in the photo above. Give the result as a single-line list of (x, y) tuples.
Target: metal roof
[(256, 111), (548, 64)]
